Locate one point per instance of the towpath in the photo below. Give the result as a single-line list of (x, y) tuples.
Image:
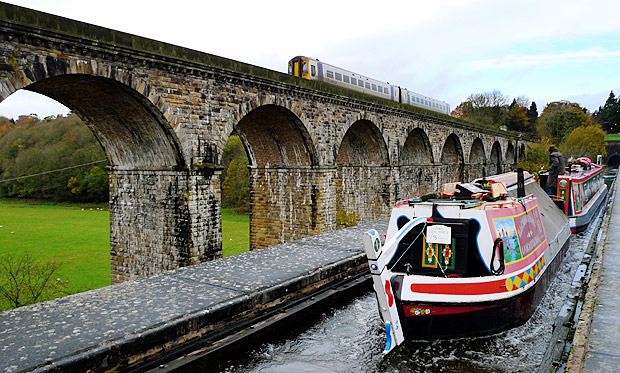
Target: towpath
[(119, 326)]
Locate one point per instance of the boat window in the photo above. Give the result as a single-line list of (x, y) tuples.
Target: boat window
[(330, 74), (338, 76), (345, 78), (353, 81), (401, 221)]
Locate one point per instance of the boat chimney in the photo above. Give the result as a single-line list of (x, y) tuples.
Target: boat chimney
[(520, 183)]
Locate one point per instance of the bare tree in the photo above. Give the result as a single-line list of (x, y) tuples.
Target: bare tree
[(523, 101), (26, 280), (494, 98)]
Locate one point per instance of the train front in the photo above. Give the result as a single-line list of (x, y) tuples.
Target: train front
[(299, 66)]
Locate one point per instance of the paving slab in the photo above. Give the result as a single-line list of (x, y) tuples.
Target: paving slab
[(603, 351), (128, 319)]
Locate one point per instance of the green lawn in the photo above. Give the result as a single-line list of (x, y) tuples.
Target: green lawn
[(612, 137), (79, 237), (235, 232)]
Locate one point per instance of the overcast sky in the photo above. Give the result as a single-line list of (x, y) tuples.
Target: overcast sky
[(544, 50)]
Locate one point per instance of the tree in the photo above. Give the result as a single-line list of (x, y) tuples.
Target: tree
[(462, 110), (236, 177), (532, 114), (236, 187), (585, 141), (560, 118), (536, 157), (26, 280), (489, 108), (609, 115), (91, 187), (516, 119), (33, 148)]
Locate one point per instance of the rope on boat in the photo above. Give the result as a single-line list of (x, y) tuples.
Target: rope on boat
[(439, 261), (409, 247)]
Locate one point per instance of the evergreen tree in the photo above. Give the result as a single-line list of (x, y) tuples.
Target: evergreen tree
[(532, 114), (609, 115)]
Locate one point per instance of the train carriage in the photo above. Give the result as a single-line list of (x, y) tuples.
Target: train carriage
[(312, 69)]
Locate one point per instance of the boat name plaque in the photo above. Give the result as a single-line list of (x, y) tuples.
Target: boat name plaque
[(438, 234)]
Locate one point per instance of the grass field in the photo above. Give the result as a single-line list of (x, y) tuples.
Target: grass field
[(612, 137), (235, 232), (79, 237)]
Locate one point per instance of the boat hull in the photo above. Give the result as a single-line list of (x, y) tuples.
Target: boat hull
[(450, 320), (580, 222)]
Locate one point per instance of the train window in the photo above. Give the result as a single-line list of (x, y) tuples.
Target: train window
[(330, 74), (360, 83), (313, 70), (367, 85), (353, 81), (417, 99), (290, 68), (374, 87), (345, 78), (304, 67), (338, 76)]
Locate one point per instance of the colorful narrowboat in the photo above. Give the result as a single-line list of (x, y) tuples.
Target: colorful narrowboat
[(476, 263), (582, 191)]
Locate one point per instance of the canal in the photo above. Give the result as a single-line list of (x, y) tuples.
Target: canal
[(350, 338)]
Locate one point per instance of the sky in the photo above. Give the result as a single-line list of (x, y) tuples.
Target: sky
[(545, 50)]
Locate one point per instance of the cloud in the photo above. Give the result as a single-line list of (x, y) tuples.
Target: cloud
[(542, 60)]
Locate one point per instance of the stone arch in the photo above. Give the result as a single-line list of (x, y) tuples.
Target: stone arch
[(275, 137), (477, 160), (132, 131), (613, 160), (452, 165), (417, 149), (510, 156), (521, 152), (281, 156), (362, 184), (495, 161), (150, 229), (362, 145), (416, 160)]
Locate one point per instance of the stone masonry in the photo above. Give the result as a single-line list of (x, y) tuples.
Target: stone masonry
[(164, 113)]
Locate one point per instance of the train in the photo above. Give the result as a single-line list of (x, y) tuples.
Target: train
[(313, 69)]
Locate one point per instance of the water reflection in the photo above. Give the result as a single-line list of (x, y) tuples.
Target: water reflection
[(351, 338)]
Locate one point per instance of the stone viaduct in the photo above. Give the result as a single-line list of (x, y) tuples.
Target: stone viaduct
[(164, 113)]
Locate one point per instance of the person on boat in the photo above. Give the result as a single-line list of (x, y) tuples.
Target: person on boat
[(556, 168)]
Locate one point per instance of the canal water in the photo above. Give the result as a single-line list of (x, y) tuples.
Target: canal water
[(351, 338)]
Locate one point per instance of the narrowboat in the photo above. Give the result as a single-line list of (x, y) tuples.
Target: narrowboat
[(476, 261), (581, 191)]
